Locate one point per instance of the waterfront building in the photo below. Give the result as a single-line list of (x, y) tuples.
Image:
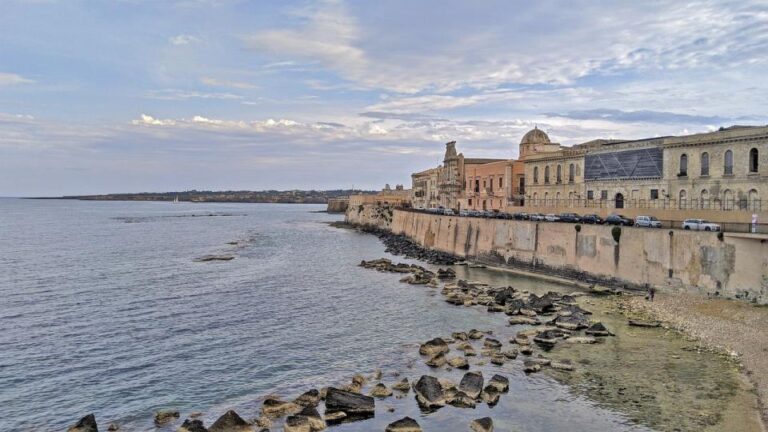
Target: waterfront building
[(672, 177)]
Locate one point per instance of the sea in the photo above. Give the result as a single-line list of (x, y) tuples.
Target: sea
[(106, 308)]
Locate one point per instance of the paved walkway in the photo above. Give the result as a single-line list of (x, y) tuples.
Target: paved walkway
[(732, 326)]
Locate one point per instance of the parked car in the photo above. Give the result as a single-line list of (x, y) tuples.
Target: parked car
[(647, 222), (569, 217), (521, 216), (537, 217), (448, 212), (617, 219), (551, 218), (592, 219), (463, 213), (700, 225)]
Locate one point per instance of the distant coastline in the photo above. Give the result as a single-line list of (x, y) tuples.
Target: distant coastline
[(269, 196)]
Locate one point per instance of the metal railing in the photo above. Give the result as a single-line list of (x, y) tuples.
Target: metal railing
[(662, 204)]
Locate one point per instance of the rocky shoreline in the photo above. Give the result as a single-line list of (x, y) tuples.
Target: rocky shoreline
[(543, 322)]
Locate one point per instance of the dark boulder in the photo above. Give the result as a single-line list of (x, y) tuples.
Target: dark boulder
[(472, 384), (574, 321), (348, 402), (229, 422), (190, 425), (504, 295), (429, 393), (598, 329), (484, 424), (297, 423), (501, 383), (405, 424), (86, 424), (308, 398)]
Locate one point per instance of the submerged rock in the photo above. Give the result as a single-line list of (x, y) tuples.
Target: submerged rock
[(472, 384), (429, 392), (274, 407), (208, 258), (165, 417), (516, 320), (230, 422), (639, 323), (531, 367), (380, 391), (565, 365), (484, 424), (405, 424), (85, 424), (402, 385)]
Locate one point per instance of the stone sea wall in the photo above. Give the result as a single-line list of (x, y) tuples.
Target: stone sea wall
[(731, 265)]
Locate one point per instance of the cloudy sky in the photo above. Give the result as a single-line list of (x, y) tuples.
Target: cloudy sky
[(146, 95)]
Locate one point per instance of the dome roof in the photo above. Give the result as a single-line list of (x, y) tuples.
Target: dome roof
[(535, 136)]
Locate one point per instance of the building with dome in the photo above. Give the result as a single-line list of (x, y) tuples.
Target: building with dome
[(673, 177)]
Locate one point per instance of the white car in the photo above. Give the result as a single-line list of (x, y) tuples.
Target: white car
[(647, 222), (551, 218), (536, 217), (448, 212), (700, 225)]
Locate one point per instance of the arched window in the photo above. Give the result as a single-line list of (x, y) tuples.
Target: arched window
[(535, 176), (546, 198), (728, 163), (559, 174), (683, 165), (704, 199), (754, 202), (682, 201), (535, 197), (753, 160), (557, 199), (571, 173), (546, 175), (705, 164), (727, 199)]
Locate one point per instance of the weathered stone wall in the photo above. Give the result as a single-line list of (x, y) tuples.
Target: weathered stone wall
[(736, 266), (337, 205), (370, 215)]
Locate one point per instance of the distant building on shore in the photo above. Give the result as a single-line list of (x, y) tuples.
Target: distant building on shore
[(397, 197), (725, 170)]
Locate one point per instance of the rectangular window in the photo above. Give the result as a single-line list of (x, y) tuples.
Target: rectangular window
[(604, 195), (469, 201), (590, 195), (654, 194), (500, 185)]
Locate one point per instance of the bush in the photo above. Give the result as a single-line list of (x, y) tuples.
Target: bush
[(720, 236), (616, 233), (359, 209), (577, 228)]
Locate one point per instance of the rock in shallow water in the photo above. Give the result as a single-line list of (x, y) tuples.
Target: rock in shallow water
[(190, 425), (380, 391), (472, 384), (308, 398), (501, 383), (86, 424), (429, 392), (165, 417), (458, 363), (402, 385), (598, 329), (230, 422), (274, 407), (434, 347), (484, 424), (347, 402), (405, 424)]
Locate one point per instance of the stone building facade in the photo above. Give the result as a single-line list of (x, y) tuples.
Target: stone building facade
[(424, 189), (721, 170)]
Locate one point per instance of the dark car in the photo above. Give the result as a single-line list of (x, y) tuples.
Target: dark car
[(569, 217), (592, 219), (616, 219)]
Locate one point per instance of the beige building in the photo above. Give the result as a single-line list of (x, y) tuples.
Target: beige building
[(668, 177), (424, 189)]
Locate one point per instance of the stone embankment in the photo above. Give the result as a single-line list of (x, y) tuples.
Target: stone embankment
[(728, 265)]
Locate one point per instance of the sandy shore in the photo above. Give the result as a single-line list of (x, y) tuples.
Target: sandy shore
[(733, 327)]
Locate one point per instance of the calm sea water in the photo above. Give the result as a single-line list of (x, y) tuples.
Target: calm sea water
[(104, 310)]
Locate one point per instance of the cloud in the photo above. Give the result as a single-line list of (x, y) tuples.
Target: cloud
[(148, 120), (173, 94), (215, 82), (644, 116), (182, 39), (9, 79)]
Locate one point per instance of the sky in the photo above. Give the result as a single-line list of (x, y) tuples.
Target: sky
[(107, 96)]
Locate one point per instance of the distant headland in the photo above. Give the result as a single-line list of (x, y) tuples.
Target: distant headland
[(242, 196)]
